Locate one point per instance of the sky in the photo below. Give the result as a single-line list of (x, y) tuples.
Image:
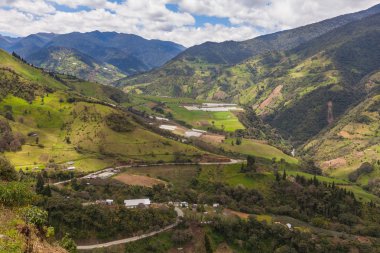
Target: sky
[(187, 22)]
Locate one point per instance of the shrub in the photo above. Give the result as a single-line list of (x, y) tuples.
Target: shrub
[(34, 215), (7, 171), (68, 243), (15, 194)]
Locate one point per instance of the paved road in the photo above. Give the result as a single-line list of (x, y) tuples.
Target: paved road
[(135, 238)]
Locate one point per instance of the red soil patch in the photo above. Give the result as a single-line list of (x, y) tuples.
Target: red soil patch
[(345, 135), (203, 123), (230, 212), (275, 93), (138, 180), (206, 158), (334, 163), (212, 138)]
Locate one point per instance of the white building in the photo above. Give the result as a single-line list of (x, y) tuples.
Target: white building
[(168, 127), (189, 134), (109, 201), (133, 203), (105, 175)]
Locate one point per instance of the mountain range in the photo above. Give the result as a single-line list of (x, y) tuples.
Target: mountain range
[(289, 81), (96, 56)]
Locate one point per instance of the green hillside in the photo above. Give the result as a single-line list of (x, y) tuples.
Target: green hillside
[(56, 123), (72, 62), (352, 140)]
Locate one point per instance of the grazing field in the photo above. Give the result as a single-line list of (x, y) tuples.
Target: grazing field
[(231, 175), (198, 119), (138, 180), (255, 148), (361, 194), (320, 178)]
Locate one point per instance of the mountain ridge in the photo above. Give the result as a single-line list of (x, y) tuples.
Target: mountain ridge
[(128, 53)]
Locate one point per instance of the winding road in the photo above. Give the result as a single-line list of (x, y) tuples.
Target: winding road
[(135, 238)]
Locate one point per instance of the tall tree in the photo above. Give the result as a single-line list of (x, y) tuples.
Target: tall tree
[(40, 184)]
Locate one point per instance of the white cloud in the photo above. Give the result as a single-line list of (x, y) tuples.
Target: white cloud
[(151, 18), (35, 7)]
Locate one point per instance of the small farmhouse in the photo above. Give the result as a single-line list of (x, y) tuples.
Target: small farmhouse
[(133, 203), (109, 201)]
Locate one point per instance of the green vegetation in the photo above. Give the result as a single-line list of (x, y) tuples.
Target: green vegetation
[(226, 121), (80, 132), (174, 108), (72, 62), (281, 87), (95, 221), (256, 148), (178, 176)]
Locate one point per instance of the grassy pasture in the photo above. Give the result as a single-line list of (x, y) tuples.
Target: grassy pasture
[(201, 119), (255, 148), (198, 119)]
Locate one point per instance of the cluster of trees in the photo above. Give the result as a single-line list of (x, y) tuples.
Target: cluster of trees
[(250, 166), (9, 141), (256, 128), (12, 83), (103, 222), (309, 198), (254, 236), (119, 122)]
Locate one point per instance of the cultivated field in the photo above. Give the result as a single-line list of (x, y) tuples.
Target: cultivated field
[(179, 176), (140, 180)]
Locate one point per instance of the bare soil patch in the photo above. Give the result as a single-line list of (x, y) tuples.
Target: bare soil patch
[(334, 163), (230, 212), (138, 180), (345, 134), (212, 138), (274, 94), (203, 123), (223, 248)]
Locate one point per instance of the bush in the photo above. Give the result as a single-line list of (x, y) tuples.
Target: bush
[(7, 171), (34, 215), (15, 194), (68, 243)]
